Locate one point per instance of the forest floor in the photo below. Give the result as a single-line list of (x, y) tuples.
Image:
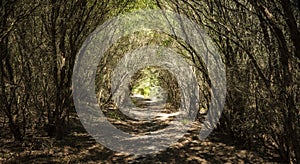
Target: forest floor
[(79, 147)]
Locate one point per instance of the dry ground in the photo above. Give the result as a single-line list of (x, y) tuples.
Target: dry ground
[(79, 147)]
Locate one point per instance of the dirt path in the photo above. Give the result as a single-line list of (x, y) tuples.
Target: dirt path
[(79, 147)]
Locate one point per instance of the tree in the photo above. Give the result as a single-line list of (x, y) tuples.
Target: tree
[(13, 102), (259, 41)]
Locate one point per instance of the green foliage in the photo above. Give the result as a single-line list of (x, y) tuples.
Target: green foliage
[(140, 4), (149, 79), (132, 5)]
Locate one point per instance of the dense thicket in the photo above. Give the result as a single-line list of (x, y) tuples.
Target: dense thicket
[(39, 42), (259, 42)]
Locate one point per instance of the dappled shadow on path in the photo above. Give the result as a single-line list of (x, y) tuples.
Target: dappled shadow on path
[(79, 147)]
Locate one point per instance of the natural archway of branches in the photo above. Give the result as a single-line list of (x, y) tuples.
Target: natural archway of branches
[(258, 42)]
